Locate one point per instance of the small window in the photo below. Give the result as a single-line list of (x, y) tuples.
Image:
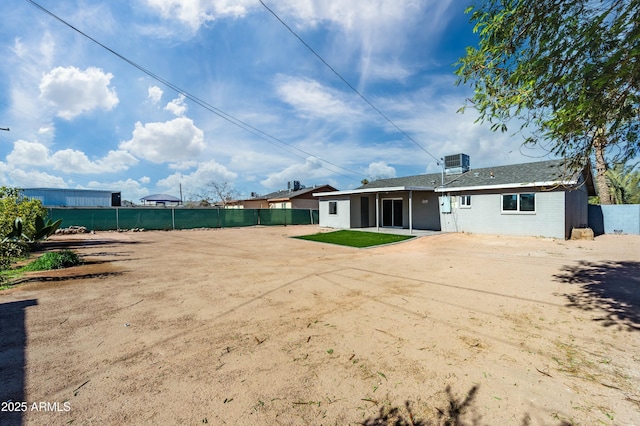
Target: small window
[(510, 203), (519, 203), (333, 207), (527, 202), (465, 201)]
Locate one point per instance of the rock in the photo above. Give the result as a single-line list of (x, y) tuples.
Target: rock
[(582, 234)]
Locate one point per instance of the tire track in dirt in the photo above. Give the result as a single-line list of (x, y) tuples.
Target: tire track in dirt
[(199, 330)]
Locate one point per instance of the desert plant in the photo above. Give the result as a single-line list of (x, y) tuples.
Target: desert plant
[(41, 232), (45, 229)]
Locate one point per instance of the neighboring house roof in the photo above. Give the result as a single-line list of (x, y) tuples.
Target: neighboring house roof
[(286, 195), (161, 198), (550, 173)]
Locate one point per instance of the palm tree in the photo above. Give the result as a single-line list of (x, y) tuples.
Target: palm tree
[(624, 184)]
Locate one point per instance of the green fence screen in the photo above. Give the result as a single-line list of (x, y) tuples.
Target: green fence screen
[(166, 218), (95, 219)]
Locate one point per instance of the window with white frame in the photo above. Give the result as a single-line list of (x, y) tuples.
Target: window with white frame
[(514, 203), (465, 201), (333, 207)]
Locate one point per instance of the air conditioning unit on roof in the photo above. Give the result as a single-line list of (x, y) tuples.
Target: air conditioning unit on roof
[(456, 164)]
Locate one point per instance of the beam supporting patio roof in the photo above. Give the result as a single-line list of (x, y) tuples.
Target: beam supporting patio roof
[(410, 212), (377, 211)]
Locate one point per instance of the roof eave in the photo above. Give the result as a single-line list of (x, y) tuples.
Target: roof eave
[(508, 186), (373, 190)]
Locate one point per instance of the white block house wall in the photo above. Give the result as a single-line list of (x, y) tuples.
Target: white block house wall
[(335, 212)]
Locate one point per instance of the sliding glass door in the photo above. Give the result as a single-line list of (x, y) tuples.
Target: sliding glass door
[(392, 212)]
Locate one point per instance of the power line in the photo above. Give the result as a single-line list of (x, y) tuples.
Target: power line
[(228, 117), (383, 115)]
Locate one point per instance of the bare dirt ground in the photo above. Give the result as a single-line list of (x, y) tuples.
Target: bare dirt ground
[(249, 326)]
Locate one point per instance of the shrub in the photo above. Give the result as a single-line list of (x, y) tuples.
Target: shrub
[(13, 205), (54, 260)]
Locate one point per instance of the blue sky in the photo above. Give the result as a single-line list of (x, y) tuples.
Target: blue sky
[(81, 117)]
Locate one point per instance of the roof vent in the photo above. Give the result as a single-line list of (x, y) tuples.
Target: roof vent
[(456, 164)]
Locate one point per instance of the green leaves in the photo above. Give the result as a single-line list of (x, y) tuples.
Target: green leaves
[(45, 230), (16, 233), (565, 70), (42, 231)]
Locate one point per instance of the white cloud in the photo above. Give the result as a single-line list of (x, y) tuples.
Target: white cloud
[(177, 106), (155, 94), (312, 99), (195, 13), (380, 170), (35, 154), (376, 31), (210, 171), (26, 153), (130, 189), (30, 56), (306, 173), (18, 47), (72, 91), (183, 165), (73, 161), (172, 141), (15, 177)]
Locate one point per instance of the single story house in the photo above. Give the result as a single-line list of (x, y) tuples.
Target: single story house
[(296, 197), (534, 199)]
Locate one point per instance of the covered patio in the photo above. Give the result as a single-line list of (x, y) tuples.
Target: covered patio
[(397, 208)]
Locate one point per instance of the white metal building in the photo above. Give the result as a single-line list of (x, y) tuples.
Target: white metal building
[(61, 197)]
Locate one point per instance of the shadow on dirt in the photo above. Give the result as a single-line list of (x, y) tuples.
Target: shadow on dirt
[(13, 343), (66, 277), (448, 416), (79, 243), (612, 287), (455, 413)]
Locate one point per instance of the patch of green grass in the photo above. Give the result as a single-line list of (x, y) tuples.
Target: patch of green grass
[(50, 260), (355, 238), (54, 260)]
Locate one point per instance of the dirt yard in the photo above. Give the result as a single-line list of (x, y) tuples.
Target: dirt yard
[(248, 326)]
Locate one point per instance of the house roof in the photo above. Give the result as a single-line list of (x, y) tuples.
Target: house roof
[(550, 173), (287, 194)]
